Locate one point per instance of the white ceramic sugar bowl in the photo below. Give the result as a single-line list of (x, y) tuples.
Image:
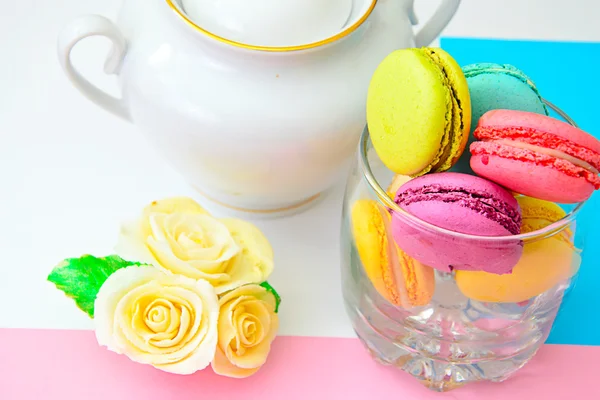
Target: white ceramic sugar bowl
[(261, 117)]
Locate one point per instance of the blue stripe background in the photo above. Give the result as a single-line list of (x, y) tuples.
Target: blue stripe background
[(568, 75)]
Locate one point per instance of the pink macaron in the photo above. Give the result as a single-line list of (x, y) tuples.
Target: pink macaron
[(460, 203), (536, 155)]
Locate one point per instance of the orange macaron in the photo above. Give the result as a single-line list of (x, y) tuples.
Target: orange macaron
[(544, 264)]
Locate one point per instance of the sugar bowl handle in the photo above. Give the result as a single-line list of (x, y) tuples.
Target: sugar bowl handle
[(81, 28), (436, 23)]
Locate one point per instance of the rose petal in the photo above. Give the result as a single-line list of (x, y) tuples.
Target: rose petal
[(157, 315), (253, 290), (185, 245), (236, 345), (244, 303), (175, 320), (193, 270), (174, 349), (173, 205), (120, 326), (255, 356), (176, 239), (203, 352), (114, 288), (130, 327), (222, 366), (194, 335), (184, 205), (197, 238), (259, 310), (174, 342), (226, 328), (167, 329), (249, 330), (157, 223), (254, 263), (169, 262), (198, 262), (217, 243), (189, 322)]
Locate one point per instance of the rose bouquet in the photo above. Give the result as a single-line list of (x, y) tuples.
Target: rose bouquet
[(185, 290)]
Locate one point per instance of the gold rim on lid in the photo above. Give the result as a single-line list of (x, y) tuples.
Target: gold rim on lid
[(275, 49)]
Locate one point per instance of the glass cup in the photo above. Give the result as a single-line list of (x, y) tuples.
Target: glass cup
[(460, 327)]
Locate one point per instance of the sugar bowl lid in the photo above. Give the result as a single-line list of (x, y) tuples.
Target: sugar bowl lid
[(272, 23)]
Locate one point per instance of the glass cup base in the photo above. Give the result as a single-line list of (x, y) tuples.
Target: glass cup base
[(437, 375), (452, 341)]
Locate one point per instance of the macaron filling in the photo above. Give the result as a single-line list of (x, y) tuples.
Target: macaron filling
[(548, 152), (545, 143), (419, 289), (454, 120), (483, 203), (485, 149)]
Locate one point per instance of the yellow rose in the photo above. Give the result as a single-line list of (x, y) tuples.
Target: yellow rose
[(157, 318), (254, 262), (247, 326), (179, 236)]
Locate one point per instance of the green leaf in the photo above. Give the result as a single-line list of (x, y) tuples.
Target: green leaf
[(271, 290), (81, 278)]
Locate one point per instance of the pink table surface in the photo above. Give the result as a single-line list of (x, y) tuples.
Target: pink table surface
[(60, 364)]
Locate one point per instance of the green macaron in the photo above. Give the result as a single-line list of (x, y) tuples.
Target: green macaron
[(419, 111)]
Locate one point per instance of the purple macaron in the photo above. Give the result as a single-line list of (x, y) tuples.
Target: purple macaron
[(459, 203)]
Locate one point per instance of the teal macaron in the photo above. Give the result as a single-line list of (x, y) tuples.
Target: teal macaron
[(498, 86), (501, 86)]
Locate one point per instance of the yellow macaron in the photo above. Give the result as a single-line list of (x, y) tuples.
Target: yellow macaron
[(419, 111), (544, 263), (397, 277), (397, 181)]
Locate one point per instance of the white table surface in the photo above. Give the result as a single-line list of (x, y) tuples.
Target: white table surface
[(71, 172)]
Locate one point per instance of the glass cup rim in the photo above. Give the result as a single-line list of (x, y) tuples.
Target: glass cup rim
[(389, 203)]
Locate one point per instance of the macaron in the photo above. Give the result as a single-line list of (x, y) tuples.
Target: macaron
[(399, 279), (418, 111), (536, 155), (501, 87), (498, 86), (397, 181), (545, 263), (460, 203)]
